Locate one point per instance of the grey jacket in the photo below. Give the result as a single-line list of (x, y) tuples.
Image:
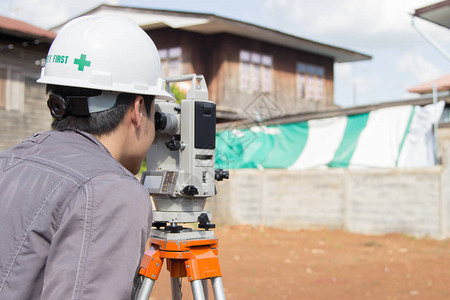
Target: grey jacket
[(73, 221)]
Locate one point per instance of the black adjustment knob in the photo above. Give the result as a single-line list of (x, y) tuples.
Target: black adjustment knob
[(158, 224), (190, 190), (222, 174), (174, 144), (203, 222), (174, 228)]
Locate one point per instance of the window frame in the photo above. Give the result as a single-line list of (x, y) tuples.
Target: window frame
[(255, 72), (310, 82), (12, 88), (171, 61)]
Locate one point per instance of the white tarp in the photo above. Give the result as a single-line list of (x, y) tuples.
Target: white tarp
[(399, 136)]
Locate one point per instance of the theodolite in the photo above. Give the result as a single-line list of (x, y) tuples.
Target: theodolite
[(180, 177)]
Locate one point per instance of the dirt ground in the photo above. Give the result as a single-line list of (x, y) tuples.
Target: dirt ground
[(266, 263)]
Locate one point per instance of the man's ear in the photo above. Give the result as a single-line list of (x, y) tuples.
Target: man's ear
[(136, 111)]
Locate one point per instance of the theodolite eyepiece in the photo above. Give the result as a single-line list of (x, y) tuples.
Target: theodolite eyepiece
[(166, 122)]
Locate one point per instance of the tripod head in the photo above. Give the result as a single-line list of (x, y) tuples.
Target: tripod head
[(181, 171)]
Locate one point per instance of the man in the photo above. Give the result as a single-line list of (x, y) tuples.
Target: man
[(73, 219)]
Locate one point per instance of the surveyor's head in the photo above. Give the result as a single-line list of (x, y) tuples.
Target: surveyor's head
[(97, 70)]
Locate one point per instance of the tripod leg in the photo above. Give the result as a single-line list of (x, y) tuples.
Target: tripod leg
[(205, 288), (146, 289), (217, 285), (197, 290), (150, 267), (175, 286)]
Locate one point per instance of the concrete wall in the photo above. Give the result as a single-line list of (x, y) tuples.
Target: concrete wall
[(370, 201)]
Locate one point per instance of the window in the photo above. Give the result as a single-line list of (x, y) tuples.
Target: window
[(310, 82), (12, 89), (3, 83), (170, 61), (320, 83), (255, 72), (301, 80)]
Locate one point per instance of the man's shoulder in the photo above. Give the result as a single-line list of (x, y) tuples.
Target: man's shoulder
[(114, 182), (76, 154)]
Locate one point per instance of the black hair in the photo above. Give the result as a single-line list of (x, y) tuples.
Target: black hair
[(98, 123)]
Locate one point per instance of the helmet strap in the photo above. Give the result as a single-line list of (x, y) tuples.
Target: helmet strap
[(102, 102), (79, 105)]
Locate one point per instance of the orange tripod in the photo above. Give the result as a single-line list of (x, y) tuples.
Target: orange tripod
[(195, 259)]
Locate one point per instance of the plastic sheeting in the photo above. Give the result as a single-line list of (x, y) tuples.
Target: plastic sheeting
[(391, 137)]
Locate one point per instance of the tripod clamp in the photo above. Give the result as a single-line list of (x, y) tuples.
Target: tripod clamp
[(204, 222)]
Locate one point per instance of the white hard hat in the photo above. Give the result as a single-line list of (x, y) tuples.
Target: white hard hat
[(108, 53)]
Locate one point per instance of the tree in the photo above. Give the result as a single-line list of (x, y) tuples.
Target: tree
[(178, 93)]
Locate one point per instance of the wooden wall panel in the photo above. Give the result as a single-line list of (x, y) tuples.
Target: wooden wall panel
[(27, 112), (217, 58)]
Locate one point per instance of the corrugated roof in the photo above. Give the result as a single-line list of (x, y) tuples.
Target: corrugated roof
[(331, 112), (442, 84), (23, 29)]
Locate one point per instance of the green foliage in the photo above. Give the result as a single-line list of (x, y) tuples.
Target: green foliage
[(143, 167), (179, 94)]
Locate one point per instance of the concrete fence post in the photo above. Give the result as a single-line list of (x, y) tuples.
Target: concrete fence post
[(444, 197)]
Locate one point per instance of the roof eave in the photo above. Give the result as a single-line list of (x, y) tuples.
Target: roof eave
[(340, 55), (212, 24), (435, 13), (24, 35), (24, 30)]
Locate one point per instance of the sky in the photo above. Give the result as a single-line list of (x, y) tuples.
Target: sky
[(401, 57)]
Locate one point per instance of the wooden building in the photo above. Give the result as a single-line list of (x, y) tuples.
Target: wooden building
[(23, 106), (241, 61)]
